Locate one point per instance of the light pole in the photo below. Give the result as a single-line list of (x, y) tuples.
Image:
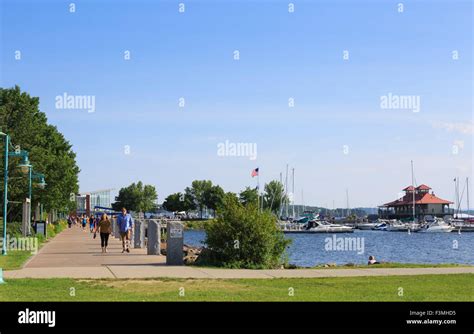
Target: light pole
[(5, 190), (26, 168)]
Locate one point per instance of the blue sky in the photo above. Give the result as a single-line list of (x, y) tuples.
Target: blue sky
[(282, 55)]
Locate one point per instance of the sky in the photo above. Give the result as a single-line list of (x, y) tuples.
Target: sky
[(237, 66)]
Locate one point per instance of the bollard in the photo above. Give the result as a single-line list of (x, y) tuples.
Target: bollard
[(154, 237), (139, 234), (117, 230), (174, 244), (114, 227)]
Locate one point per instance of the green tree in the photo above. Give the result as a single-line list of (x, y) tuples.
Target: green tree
[(243, 237), (198, 193), (175, 202), (136, 197), (49, 153), (213, 197), (249, 196), (274, 196)]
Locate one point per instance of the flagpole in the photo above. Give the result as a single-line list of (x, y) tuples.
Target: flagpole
[(258, 189)]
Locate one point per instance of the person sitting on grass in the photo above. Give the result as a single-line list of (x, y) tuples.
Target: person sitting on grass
[(372, 260)]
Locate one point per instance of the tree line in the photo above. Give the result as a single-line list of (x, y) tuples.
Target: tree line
[(49, 153), (203, 194)]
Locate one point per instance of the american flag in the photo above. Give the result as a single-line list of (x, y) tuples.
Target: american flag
[(255, 172)]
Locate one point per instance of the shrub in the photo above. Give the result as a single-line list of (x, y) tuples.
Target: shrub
[(243, 237)]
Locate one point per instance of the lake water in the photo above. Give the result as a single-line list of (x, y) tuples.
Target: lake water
[(310, 249)]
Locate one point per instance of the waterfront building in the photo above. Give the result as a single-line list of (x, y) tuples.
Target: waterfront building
[(426, 204), (91, 201)]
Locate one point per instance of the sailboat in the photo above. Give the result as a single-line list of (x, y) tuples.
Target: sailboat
[(410, 226), (460, 223)]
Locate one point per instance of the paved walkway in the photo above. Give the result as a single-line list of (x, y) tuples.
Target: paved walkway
[(75, 254)]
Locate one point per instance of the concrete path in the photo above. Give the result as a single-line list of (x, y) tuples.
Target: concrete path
[(75, 254)]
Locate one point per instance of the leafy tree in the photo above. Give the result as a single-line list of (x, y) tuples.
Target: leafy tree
[(213, 197), (198, 193), (249, 196), (175, 202), (243, 237), (49, 153), (274, 196), (136, 197)]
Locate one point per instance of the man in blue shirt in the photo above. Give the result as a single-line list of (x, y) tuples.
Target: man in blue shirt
[(125, 224)]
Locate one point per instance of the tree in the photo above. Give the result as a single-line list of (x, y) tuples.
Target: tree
[(175, 202), (249, 196), (243, 237), (213, 197), (197, 193), (136, 197), (274, 196), (49, 153)]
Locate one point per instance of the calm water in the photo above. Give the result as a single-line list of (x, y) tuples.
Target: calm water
[(309, 249)]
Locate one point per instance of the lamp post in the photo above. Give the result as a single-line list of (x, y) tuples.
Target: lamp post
[(5, 190), (26, 168)]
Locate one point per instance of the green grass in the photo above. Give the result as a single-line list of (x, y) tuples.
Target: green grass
[(15, 259), (195, 224), (456, 287)]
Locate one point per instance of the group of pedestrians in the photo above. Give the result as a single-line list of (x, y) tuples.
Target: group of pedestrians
[(103, 227)]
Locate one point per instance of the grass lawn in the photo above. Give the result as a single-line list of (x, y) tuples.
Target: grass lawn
[(14, 259), (456, 287)]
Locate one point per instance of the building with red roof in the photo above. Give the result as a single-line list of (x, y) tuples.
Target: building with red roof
[(426, 203)]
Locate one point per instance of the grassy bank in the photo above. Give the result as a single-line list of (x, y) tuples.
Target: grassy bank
[(195, 224), (16, 258), (457, 287)]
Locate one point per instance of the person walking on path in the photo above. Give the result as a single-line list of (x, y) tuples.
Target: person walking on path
[(70, 220), (104, 227), (84, 222), (125, 224), (92, 223)]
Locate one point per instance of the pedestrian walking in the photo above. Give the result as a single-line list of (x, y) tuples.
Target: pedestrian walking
[(104, 228), (125, 224), (84, 222), (92, 223), (70, 220)]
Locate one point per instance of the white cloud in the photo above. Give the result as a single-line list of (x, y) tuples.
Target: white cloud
[(466, 128)]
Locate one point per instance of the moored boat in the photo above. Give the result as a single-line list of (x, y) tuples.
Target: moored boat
[(437, 226)]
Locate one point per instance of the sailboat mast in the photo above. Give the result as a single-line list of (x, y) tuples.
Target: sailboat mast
[(413, 186), (348, 212), (293, 192), (467, 188), (286, 192)]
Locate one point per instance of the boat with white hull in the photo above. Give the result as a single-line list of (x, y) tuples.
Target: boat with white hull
[(319, 226), (437, 226), (366, 226), (403, 227)]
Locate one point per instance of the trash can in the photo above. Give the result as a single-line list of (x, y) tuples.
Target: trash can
[(40, 227)]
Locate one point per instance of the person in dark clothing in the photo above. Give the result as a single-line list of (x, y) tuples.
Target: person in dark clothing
[(104, 227)]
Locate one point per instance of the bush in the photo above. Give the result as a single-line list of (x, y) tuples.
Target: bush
[(243, 237)]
